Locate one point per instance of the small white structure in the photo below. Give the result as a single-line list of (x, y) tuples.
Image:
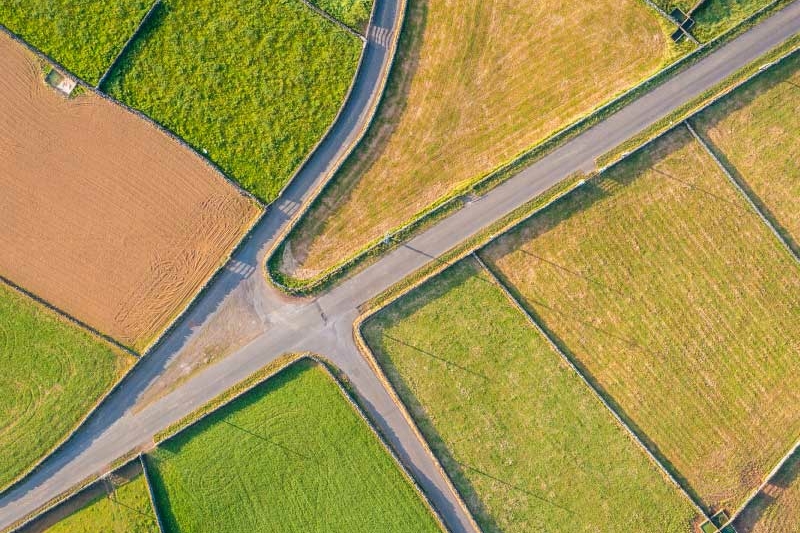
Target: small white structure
[(61, 82)]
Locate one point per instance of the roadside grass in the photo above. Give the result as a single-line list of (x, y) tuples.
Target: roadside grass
[(290, 455), (126, 510), (680, 303), (524, 440), (776, 509), (714, 17), (254, 85), (52, 374), (457, 108), (84, 36), (354, 13), (756, 130)]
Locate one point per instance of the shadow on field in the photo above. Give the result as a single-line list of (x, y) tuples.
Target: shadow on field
[(752, 514)]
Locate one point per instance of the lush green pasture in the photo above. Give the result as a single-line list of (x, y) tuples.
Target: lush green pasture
[(526, 442), (459, 107), (52, 374), (714, 17), (291, 455), (83, 36), (757, 130), (354, 13), (682, 305), (254, 84), (125, 510)]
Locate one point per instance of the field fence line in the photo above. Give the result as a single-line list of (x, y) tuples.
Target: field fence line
[(150, 493), (324, 14), (375, 100), (385, 445), (767, 480), (555, 347), (127, 44), (742, 192), (310, 285)]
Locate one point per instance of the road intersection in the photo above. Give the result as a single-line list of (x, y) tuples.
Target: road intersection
[(128, 419)]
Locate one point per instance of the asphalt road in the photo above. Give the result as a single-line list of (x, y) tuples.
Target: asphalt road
[(324, 325)]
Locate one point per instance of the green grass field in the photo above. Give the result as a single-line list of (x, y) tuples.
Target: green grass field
[(126, 510), (714, 17), (252, 84), (83, 36), (52, 374), (291, 455), (757, 130), (526, 442), (354, 13), (456, 109), (680, 303)]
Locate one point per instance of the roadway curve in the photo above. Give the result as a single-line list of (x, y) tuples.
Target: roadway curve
[(129, 418)]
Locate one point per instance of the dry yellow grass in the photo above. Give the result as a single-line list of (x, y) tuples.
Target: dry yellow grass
[(758, 130), (477, 83), (777, 508), (681, 304)]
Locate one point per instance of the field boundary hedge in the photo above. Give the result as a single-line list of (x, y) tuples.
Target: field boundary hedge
[(324, 14), (500, 283), (263, 375), (150, 493), (296, 286), (742, 192), (127, 44)]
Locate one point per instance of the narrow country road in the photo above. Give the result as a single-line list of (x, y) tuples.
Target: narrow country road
[(324, 325)]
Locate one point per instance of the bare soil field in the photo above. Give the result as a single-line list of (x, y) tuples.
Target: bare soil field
[(105, 216), (475, 84), (679, 302)]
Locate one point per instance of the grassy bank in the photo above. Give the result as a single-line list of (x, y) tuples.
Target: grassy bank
[(53, 373), (524, 440), (254, 85), (290, 455), (666, 287), (354, 13)]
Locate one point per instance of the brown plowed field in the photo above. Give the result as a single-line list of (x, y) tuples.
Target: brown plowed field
[(103, 215)]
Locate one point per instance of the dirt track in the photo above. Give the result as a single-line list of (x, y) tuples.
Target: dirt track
[(103, 215)]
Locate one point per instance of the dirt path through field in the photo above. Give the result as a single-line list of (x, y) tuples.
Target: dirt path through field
[(105, 216)]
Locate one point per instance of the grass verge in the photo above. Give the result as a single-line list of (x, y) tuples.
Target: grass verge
[(353, 13)]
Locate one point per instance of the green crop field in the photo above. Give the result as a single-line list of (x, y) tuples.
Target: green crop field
[(83, 36), (291, 455), (252, 84), (757, 130), (714, 17), (354, 13), (52, 374), (125, 510), (526, 442), (667, 288), (458, 108)]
